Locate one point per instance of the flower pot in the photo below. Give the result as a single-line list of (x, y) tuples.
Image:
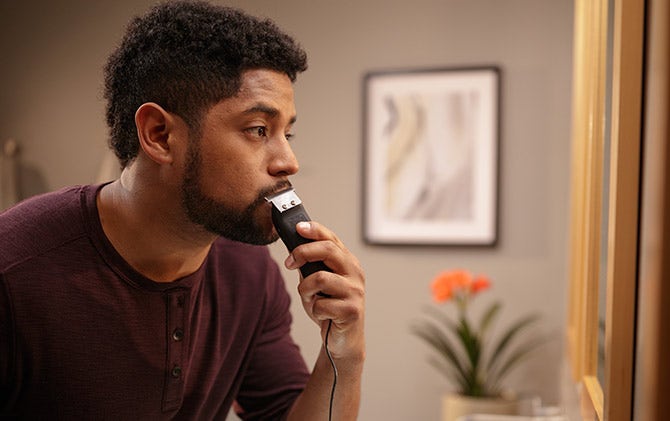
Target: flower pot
[(455, 406)]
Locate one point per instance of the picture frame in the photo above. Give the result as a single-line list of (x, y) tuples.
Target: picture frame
[(430, 161)]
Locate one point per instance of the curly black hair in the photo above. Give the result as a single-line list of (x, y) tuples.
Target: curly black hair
[(187, 56)]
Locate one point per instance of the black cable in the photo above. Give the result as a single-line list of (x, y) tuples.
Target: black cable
[(332, 363)]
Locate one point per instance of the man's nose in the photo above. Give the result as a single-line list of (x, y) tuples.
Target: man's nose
[(283, 161)]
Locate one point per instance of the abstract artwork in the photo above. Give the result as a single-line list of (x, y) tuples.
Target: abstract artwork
[(431, 156)]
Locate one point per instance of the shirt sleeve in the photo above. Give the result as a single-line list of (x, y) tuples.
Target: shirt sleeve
[(277, 373)]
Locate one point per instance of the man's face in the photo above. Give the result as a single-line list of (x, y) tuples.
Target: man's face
[(241, 157)]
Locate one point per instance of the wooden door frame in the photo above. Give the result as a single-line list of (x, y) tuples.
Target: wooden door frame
[(613, 399)]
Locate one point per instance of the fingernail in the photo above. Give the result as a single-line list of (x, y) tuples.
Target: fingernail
[(304, 225), (289, 262)]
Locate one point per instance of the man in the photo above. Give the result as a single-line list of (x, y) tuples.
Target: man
[(154, 297)]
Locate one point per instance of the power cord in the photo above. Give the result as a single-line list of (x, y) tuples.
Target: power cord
[(332, 363)]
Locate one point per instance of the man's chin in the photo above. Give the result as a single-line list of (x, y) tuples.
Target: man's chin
[(255, 240), (272, 235), (261, 235), (251, 226)]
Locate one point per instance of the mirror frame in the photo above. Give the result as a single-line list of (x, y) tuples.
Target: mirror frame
[(613, 399)]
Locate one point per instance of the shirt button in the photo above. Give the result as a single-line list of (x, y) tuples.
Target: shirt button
[(178, 335), (176, 372)]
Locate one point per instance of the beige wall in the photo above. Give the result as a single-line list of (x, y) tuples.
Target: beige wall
[(50, 100)]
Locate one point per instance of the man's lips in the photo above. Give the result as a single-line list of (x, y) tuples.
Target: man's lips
[(282, 186)]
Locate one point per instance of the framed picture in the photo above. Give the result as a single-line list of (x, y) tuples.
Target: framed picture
[(431, 156)]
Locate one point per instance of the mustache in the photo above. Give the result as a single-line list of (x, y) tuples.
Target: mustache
[(270, 191)]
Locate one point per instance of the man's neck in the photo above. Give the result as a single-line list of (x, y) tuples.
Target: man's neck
[(148, 228)]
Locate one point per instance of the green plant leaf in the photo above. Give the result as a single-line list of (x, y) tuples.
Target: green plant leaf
[(470, 343), (462, 384), (512, 360), (507, 338), (440, 343), (488, 318)]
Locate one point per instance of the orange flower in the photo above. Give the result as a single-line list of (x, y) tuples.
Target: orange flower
[(480, 283), (447, 283)]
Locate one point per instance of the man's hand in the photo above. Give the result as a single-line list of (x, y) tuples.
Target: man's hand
[(344, 288)]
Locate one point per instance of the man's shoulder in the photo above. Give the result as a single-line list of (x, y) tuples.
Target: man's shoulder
[(39, 223)]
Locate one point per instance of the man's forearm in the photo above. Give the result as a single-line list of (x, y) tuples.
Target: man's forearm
[(314, 402)]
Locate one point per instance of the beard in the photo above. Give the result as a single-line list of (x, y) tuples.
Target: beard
[(220, 218)]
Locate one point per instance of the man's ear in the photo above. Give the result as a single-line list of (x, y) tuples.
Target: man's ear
[(154, 127)]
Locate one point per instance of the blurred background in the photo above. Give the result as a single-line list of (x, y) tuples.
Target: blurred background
[(51, 105)]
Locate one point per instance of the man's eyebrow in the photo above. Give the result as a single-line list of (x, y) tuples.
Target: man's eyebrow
[(266, 109)]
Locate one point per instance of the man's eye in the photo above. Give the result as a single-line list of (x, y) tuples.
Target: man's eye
[(289, 136), (260, 131)]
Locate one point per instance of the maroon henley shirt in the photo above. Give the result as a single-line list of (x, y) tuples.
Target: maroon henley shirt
[(85, 336)]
